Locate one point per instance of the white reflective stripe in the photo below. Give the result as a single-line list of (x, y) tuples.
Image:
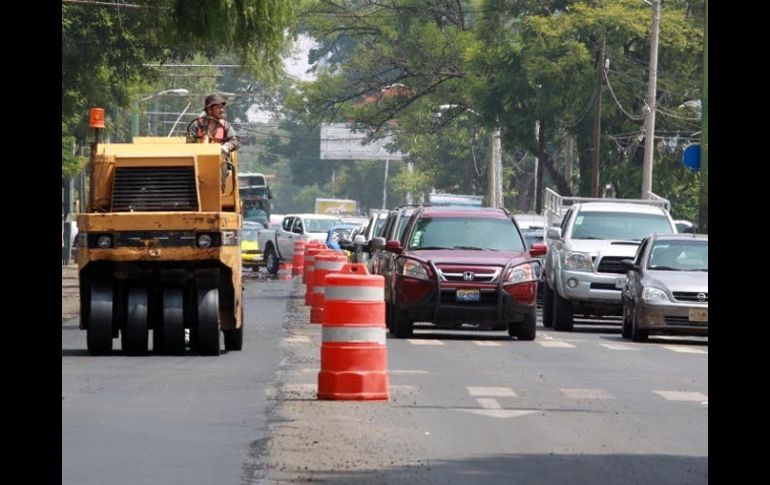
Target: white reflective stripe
[(330, 265), (353, 334), (318, 289), (355, 293)]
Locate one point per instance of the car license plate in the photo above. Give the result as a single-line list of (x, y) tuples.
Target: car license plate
[(699, 315), (468, 295), (620, 283)]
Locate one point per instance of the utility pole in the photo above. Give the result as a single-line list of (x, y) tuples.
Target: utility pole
[(598, 119), (494, 185), (649, 137), (703, 206)]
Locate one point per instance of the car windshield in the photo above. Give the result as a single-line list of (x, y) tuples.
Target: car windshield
[(466, 233), (341, 233), (249, 235), (320, 225), (619, 225), (679, 256)]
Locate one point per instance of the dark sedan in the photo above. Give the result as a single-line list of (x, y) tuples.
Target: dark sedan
[(668, 287)]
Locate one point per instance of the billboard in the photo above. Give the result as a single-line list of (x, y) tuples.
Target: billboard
[(340, 142)]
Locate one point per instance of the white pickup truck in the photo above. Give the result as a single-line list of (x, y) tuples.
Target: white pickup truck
[(278, 244), (587, 238)]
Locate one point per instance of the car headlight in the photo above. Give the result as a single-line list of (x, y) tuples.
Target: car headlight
[(522, 273), (204, 241), (104, 242), (413, 269), (578, 261), (654, 294)]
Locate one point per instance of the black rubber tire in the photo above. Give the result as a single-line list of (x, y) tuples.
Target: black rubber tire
[(99, 332), (547, 306), (625, 331), (207, 335), (172, 327), (562, 313), (638, 334), (526, 330), (234, 337), (272, 263), (402, 327), (135, 335)]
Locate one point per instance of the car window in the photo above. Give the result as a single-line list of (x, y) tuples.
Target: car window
[(298, 228), (618, 225), (679, 256), (321, 225), (465, 232), (287, 224)]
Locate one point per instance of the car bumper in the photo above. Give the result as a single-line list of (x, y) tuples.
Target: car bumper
[(674, 318), (592, 287), (494, 310), (252, 259)]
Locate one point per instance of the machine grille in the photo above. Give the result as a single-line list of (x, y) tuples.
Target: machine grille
[(154, 189)]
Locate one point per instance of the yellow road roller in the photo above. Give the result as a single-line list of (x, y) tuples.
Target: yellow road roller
[(159, 247)]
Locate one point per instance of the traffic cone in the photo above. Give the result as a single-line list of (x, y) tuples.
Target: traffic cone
[(325, 263), (298, 261), (354, 357)]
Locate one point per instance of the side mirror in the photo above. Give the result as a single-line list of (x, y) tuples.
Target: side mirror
[(394, 246), (538, 249), (377, 243), (628, 264), (359, 239), (553, 233)]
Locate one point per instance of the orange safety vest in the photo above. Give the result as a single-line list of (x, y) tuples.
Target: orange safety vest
[(203, 129)]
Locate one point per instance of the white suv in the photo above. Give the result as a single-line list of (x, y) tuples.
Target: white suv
[(582, 267)]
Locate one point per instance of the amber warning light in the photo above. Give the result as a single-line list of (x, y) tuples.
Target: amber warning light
[(97, 118)]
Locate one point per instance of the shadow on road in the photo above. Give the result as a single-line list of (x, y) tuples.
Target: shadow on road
[(538, 469)]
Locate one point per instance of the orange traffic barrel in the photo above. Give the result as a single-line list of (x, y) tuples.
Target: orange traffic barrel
[(308, 266), (308, 276), (284, 271), (354, 357), (325, 263), (298, 261)]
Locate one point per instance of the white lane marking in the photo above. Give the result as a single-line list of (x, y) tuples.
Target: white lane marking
[(705, 403), (486, 343), (415, 341), (298, 340), (685, 350), (491, 391), (587, 394), (488, 403), (499, 413), (546, 336), (618, 347), (681, 396), (557, 344)]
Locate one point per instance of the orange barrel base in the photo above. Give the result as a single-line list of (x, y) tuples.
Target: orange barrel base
[(284, 271), (316, 314), (344, 376)]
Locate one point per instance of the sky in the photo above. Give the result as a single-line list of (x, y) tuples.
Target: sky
[(296, 65)]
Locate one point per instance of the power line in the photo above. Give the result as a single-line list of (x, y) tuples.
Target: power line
[(114, 4), (629, 115)]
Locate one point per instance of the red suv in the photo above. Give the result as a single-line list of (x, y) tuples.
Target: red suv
[(462, 265)]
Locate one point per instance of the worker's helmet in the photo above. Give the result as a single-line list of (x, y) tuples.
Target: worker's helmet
[(214, 99)]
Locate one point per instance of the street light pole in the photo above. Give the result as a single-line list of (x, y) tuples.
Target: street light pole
[(649, 138)]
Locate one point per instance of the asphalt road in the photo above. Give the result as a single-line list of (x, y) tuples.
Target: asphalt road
[(464, 407)]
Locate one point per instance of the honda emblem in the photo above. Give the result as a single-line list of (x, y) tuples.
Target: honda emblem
[(468, 275)]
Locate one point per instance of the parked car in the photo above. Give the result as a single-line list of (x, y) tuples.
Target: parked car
[(455, 266), (668, 287), (251, 256), (339, 233)]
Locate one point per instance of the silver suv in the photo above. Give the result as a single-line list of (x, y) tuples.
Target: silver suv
[(582, 268)]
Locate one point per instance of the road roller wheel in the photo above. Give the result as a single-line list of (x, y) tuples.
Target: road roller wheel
[(207, 335), (134, 335), (172, 325), (99, 333)]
